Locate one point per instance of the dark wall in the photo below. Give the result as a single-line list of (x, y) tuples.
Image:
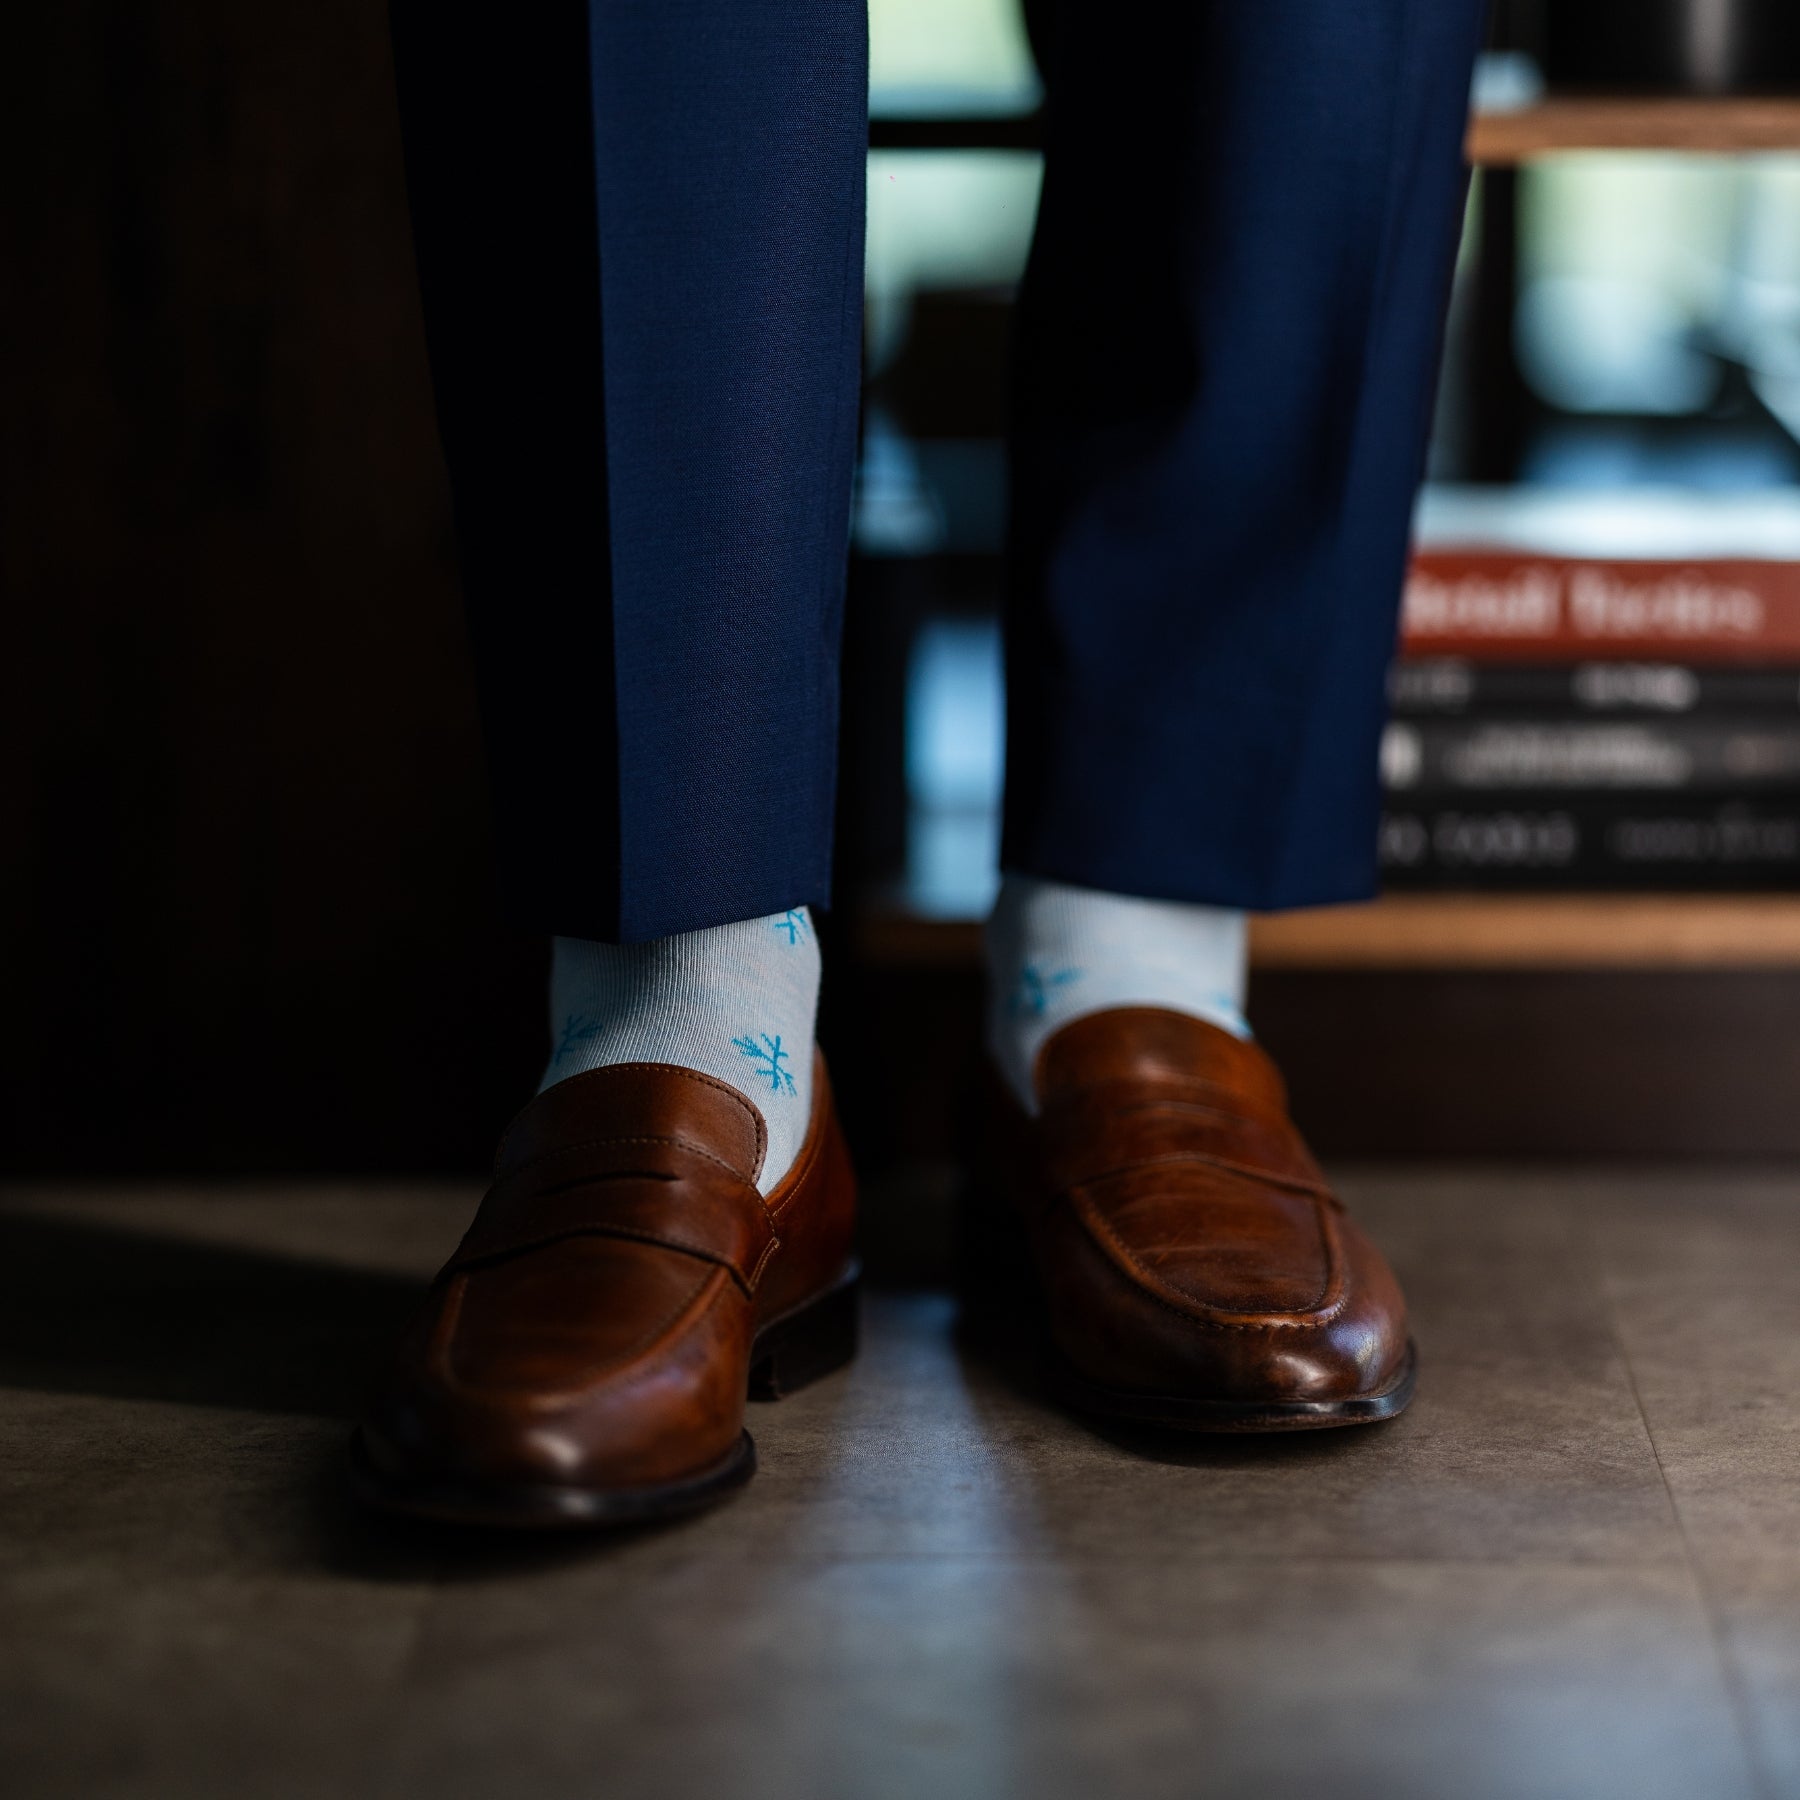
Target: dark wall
[(245, 917)]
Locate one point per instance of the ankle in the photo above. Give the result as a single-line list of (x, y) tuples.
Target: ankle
[(1056, 953), (737, 1002)]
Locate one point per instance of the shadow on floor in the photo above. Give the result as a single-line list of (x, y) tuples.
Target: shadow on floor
[(98, 1308), (95, 1308), (88, 1307), (345, 1538)]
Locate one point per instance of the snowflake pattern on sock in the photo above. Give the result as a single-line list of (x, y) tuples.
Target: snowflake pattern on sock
[(577, 1028), (792, 924), (1037, 987), (768, 1055)]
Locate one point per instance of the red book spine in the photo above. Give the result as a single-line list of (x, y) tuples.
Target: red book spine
[(1503, 605)]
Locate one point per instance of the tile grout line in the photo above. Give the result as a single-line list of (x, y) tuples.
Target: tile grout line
[(1736, 1698)]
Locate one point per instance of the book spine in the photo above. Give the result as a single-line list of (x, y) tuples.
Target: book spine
[(1534, 842), (1494, 756), (1456, 687), (1504, 605)]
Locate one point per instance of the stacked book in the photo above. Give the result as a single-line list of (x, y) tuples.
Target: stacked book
[(1597, 694)]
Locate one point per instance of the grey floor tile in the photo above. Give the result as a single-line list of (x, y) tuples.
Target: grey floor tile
[(1034, 1677), (1757, 1603), (196, 1686), (176, 1618), (1702, 1278), (938, 1582), (926, 1450), (269, 1300), (402, 1228), (1526, 1438)]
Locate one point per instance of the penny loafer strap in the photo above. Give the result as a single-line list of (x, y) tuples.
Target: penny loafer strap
[(659, 1190), (1106, 1129)]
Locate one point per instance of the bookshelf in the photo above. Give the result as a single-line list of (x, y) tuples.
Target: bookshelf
[(1460, 932), (1451, 932)]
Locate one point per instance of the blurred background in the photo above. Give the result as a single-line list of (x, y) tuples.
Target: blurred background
[(247, 917)]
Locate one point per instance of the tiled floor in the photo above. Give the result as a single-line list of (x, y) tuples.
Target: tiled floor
[(1572, 1570)]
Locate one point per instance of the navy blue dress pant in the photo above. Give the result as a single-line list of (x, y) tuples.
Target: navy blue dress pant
[(639, 231)]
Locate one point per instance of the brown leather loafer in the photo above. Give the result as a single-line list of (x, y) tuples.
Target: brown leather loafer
[(1191, 1266), (585, 1356)]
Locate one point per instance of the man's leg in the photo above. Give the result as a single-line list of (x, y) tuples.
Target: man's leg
[(1229, 340), (1229, 334), (639, 231)]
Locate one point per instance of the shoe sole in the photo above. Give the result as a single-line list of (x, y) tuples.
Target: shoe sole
[(789, 1353), (1177, 1412)]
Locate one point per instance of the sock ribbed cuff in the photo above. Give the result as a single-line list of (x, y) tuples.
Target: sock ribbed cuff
[(738, 1002), (1056, 953)]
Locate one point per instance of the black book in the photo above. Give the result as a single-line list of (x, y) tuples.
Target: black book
[(1638, 842), (1740, 753), (1425, 687)]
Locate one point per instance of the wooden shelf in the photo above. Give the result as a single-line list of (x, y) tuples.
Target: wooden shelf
[(1720, 127), (1619, 122), (1482, 931), (1457, 931)]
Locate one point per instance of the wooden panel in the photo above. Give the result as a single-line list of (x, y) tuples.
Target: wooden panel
[(247, 908), (1546, 1063), (1619, 123), (1396, 1062)]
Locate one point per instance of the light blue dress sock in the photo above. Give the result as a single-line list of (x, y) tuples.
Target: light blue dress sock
[(1056, 953), (738, 1002)]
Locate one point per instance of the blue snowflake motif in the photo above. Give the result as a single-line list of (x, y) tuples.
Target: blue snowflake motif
[(1037, 988), (768, 1056), (577, 1028), (793, 923)]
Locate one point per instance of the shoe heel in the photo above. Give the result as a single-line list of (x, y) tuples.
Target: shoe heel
[(809, 1344)]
